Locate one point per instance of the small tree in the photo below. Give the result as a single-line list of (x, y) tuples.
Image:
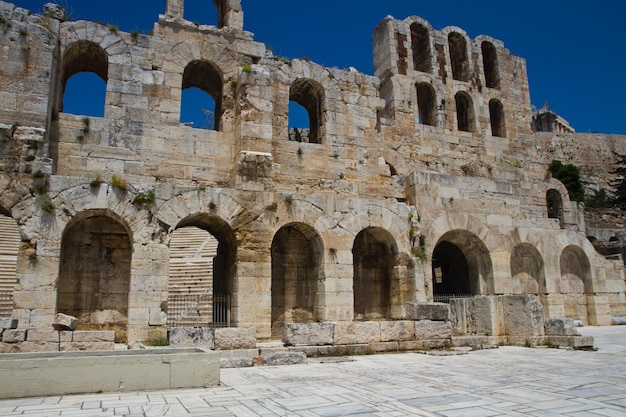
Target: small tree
[(599, 200), (569, 175), (619, 183)]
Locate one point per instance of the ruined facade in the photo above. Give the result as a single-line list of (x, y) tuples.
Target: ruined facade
[(421, 182)]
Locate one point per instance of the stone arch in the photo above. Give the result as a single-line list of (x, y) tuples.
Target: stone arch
[(206, 76), (459, 58), (297, 276), (310, 95), (95, 271), (554, 204), (374, 255), (465, 116), (461, 264), (575, 281), (490, 64), (528, 270), (426, 104), (496, 116), (420, 47), (9, 248)]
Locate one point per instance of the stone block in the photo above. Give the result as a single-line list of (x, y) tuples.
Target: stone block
[(64, 322), (428, 311), (29, 346), (14, 336), (192, 337), (394, 331), (8, 323), (348, 333), (285, 358), (93, 336), (9, 347), (308, 333), (379, 347), (82, 346), (429, 330), (232, 362), (229, 338), (522, 315), (560, 327), (35, 335)]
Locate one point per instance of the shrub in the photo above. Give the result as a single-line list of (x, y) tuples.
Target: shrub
[(119, 183)]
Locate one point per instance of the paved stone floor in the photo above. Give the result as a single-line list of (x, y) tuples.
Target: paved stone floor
[(508, 381)]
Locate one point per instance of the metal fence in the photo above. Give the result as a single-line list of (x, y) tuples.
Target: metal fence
[(200, 310), (445, 298), (6, 303)]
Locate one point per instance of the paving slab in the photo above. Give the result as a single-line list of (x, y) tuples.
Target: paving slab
[(508, 381)]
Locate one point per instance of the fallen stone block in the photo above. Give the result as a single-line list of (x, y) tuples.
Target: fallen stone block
[(13, 336), (229, 338), (428, 330), (428, 311), (8, 323), (203, 337), (394, 331), (560, 327), (350, 333), (522, 315), (64, 322), (235, 362), (308, 333), (618, 321), (285, 358)]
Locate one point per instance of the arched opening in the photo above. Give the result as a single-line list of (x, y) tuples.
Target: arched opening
[(9, 247), (202, 12), (527, 270), (426, 100), (420, 45), (202, 269), (374, 256), (84, 79), (297, 253), (464, 112), (205, 81), (490, 63), (575, 282), (298, 123), (94, 276), (554, 202), (461, 267), (458, 57), (310, 95), (496, 115)]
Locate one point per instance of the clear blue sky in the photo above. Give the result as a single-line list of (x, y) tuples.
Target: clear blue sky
[(574, 49)]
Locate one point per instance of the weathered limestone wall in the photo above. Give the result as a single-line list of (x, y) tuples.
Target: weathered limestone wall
[(435, 148)]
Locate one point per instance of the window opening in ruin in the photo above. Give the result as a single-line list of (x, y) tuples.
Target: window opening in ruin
[(374, 254), (297, 253), (201, 12), (496, 115), (202, 267), (299, 128), (9, 247), (554, 202), (490, 63), (420, 45), (426, 100), (310, 95), (204, 76), (464, 112), (197, 109), (458, 57), (85, 74), (575, 282), (94, 274), (527, 269)]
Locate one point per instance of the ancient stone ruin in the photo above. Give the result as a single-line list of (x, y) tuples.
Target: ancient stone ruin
[(414, 211)]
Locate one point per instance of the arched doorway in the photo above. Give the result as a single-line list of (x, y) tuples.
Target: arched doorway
[(94, 276), (9, 246), (202, 259), (575, 282), (527, 270), (461, 267), (297, 280), (374, 258)]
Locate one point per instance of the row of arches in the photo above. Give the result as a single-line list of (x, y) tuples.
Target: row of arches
[(465, 114), (458, 55)]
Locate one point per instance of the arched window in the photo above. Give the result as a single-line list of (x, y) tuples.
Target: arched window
[(201, 12), (496, 115), (464, 112), (554, 201), (85, 75), (420, 45), (426, 100), (458, 57), (310, 95), (203, 80), (490, 62)]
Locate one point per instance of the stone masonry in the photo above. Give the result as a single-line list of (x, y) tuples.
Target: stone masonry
[(412, 185)]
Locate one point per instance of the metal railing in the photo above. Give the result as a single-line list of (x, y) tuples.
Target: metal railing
[(6, 303), (198, 310), (445, 298)]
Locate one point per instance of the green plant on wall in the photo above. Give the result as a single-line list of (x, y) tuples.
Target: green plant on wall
[(119, 182), (145, 199)]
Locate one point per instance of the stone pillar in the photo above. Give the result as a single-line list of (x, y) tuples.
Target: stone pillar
[(598, 310), (554, 307), (230, 13), (175, 8)]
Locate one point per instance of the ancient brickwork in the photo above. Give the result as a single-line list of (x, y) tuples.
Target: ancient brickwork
[(433, 154)]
